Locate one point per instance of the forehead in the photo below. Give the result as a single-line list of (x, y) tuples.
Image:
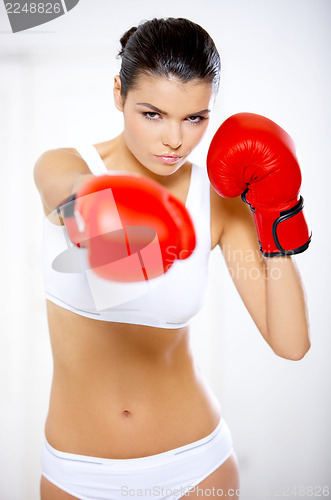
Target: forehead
[(171, 95)]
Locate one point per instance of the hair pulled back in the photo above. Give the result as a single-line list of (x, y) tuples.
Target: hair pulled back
[(168, 47)]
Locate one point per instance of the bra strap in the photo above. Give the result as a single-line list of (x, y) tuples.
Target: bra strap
[(198, 204), (92, 158)]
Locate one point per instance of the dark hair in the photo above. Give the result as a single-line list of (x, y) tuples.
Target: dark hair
[(168, 47)]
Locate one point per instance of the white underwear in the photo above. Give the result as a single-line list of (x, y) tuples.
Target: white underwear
[(167, 475)]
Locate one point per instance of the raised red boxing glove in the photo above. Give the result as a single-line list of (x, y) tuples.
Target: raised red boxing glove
[(252, 156), (132, 228)]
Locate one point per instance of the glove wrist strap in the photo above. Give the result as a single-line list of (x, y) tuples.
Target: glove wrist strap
[(281, 232)]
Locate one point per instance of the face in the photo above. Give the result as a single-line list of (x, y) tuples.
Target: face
[(164, 120)]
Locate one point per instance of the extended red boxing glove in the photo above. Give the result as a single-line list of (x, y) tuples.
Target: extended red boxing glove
[(253, 157), (132, 227)]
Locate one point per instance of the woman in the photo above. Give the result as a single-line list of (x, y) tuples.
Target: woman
[(130, 413)]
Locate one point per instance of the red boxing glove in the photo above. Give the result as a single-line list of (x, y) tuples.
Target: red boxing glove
[(253, 157), (133, 228)]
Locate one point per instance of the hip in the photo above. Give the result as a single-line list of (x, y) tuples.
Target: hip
[(169, 475)]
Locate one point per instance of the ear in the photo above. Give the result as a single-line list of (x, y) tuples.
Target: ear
[(118, 99)]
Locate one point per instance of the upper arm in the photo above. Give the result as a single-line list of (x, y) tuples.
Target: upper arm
[(55, 173), (240, 247)]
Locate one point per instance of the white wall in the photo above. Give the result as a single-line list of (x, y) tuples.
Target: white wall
[(56, 88)]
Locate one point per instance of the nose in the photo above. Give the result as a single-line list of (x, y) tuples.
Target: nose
[(172, 136)]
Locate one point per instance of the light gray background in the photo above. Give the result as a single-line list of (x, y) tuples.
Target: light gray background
[(56, 89)]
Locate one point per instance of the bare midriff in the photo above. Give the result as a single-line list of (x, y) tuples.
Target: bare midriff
[(124, 391)]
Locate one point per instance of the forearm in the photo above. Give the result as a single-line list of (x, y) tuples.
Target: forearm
[(286, 311)]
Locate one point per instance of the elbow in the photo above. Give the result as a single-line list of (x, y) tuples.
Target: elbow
[(297, 356), (293, 355)]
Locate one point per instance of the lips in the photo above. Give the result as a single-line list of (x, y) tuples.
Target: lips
[(168, 158)]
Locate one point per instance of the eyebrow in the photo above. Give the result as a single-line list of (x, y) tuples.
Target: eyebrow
[(157, 110)]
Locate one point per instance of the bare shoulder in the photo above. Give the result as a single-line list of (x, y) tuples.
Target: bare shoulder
[(55, 172)]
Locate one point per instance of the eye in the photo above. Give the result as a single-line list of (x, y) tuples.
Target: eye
[(151, 115), (196, 119)]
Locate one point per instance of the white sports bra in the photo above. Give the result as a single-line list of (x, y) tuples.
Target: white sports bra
[(169, 301)]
